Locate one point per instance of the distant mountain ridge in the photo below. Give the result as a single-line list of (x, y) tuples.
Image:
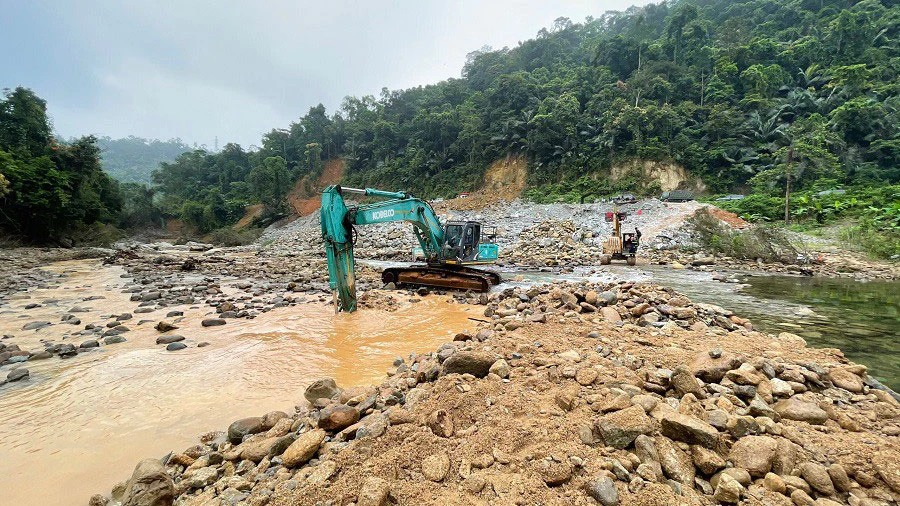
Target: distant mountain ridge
[(133, 159)]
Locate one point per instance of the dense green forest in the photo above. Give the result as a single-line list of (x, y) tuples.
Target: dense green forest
[(48, 190), (748, 95), (744, 94), (133, 159)]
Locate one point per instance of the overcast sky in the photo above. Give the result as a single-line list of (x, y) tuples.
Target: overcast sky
[(201, 69)]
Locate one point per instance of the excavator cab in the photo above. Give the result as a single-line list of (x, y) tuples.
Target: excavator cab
[(461, 240), (463, 244)]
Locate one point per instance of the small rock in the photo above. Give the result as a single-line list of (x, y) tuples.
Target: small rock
[(619, 429), (728, 490), (169, 339), (688, 429), (244, 427), (435, 467), (17, 375), (603, 490), (165, 327), (213, 322), (755, 454), (500, 368), (373, 492), (795, 409), (175, 346), (337, 417)]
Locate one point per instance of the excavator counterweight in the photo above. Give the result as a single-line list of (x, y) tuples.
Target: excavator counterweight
[(448, 250)]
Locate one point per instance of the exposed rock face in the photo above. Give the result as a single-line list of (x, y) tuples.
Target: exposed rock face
[(149, 485)]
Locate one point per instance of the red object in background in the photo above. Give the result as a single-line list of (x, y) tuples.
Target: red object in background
[(609, 216), (640, 211)]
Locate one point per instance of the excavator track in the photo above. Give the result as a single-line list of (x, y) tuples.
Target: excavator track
[(454, 278)]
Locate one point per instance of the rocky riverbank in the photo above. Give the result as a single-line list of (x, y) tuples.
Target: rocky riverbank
[(568, 235), (565, 394)]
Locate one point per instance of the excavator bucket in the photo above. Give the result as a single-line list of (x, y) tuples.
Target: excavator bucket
[(339, 250)]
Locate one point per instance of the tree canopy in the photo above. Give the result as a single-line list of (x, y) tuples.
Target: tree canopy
[(48, 189)]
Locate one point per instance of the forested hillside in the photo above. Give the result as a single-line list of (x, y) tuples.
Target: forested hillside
[(748, 95), (741, 93), (49, 190), (133, 159)]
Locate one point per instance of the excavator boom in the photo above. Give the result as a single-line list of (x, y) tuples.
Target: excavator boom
[(444, 255)]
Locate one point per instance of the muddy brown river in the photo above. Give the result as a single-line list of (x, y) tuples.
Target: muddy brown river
[(78, 426)]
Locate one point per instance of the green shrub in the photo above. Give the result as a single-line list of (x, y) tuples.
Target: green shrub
[(227, 236), (764, 242)]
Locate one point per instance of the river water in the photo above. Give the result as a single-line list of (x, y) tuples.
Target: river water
[(78, 426)]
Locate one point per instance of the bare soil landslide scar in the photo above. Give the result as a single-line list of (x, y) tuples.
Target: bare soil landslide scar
[(449, 250), (620, 246)]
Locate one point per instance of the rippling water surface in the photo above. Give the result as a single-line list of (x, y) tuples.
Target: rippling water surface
[(78, 426)]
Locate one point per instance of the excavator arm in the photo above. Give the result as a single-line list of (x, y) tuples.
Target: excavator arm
[(338, 232)]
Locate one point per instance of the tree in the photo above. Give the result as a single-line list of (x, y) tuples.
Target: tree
[(270, 182)]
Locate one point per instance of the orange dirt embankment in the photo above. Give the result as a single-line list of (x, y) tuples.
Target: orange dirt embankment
[(304, 198), (505, 179), (251, 212), (731, 219)]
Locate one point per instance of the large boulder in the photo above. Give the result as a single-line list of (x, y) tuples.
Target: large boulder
[(846, 379), (324, 388), (712, 367), (149, 485), (795, 409), (337, 417), (688, 429), (303, 449), (244, 427), (620, 428), (756, 454), (817, 477), (476, 363)]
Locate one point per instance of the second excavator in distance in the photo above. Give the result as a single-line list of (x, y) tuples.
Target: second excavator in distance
[(449, 249)]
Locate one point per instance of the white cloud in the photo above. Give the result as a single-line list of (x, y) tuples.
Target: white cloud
[(203, 68)]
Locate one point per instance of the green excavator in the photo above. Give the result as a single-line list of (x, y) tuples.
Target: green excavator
[(449, 250)]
